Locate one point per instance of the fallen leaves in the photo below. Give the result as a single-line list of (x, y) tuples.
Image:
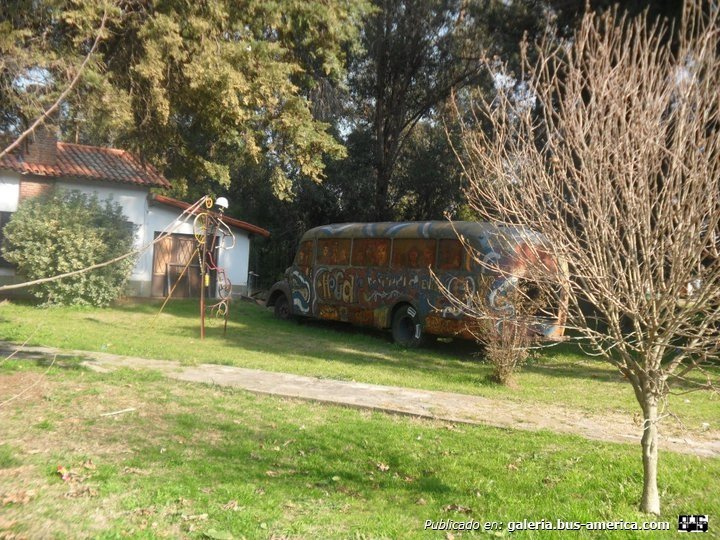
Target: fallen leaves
[(75, 478), (18, 497), (63, 472), (7, 523), (231, 505), (286, 472), (83, 491), (144, 512), (457, 508), (6, 534), (71, 475), (134, 470), (515, 465)]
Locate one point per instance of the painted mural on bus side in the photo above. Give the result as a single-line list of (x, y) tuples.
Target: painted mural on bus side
[(399, 275)]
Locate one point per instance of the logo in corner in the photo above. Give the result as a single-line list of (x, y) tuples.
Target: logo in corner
[(693, 523)]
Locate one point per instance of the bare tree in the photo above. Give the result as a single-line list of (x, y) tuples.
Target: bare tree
[(610, 147), (506, 342)]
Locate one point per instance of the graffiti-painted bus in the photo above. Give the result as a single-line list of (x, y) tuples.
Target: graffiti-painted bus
[(391, 276)]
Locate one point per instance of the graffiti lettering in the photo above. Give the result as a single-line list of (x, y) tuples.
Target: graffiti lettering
[(334, 286), (462, 289), (377, 295)]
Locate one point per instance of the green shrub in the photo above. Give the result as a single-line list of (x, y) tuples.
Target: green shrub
[(64, 231)]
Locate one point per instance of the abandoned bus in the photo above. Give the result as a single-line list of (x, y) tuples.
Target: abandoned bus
[(391, 276)]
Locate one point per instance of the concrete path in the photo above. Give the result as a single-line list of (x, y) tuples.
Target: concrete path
[(437, 405)]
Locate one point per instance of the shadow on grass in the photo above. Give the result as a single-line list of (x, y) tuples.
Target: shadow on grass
[(348, 345), (589, 374), (254, 329), (458, 359), (177, 307), (596, 368), (602, 372), (43, 360)]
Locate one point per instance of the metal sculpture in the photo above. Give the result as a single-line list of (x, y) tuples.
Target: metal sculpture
[(211, 233)]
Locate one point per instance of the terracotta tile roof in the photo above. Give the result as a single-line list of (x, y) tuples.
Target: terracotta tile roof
[(169, 201), (92, 163)]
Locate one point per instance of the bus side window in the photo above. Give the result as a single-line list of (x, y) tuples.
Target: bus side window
[(371, 252), (334, 251), (413, 253), (304, 255), (451, 252)]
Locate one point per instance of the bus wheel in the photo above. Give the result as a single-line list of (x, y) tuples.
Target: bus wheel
[(282, 308), (406, 327)]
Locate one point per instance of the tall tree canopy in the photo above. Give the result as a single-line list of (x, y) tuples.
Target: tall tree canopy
[(198, 87), (416, 53), (258, 99)]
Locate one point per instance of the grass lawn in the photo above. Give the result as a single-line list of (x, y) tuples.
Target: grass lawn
[(560, 375), (255, 339), (196, 461)]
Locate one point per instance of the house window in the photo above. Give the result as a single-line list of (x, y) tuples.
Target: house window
[(4, 219)]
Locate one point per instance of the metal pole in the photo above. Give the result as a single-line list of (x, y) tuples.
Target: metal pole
[(202, 281)]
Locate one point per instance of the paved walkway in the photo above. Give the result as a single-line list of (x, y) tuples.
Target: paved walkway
[(437, 405)]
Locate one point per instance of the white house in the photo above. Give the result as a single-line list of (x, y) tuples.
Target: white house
[(117, 174)]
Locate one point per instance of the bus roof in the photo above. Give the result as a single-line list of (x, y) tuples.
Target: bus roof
[(472, 230), (399, 229)]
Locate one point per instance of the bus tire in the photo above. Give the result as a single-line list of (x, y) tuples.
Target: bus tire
[(282, 308), (407, 327)]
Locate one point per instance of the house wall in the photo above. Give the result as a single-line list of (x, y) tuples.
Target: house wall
[(148, 219), (9, 193), (235, 261), (33, 188)]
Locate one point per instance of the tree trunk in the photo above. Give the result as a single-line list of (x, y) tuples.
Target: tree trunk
[(381, 115), (650, 502), (381, 193)]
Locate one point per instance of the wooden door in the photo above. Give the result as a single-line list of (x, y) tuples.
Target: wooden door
[(171, 256)]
